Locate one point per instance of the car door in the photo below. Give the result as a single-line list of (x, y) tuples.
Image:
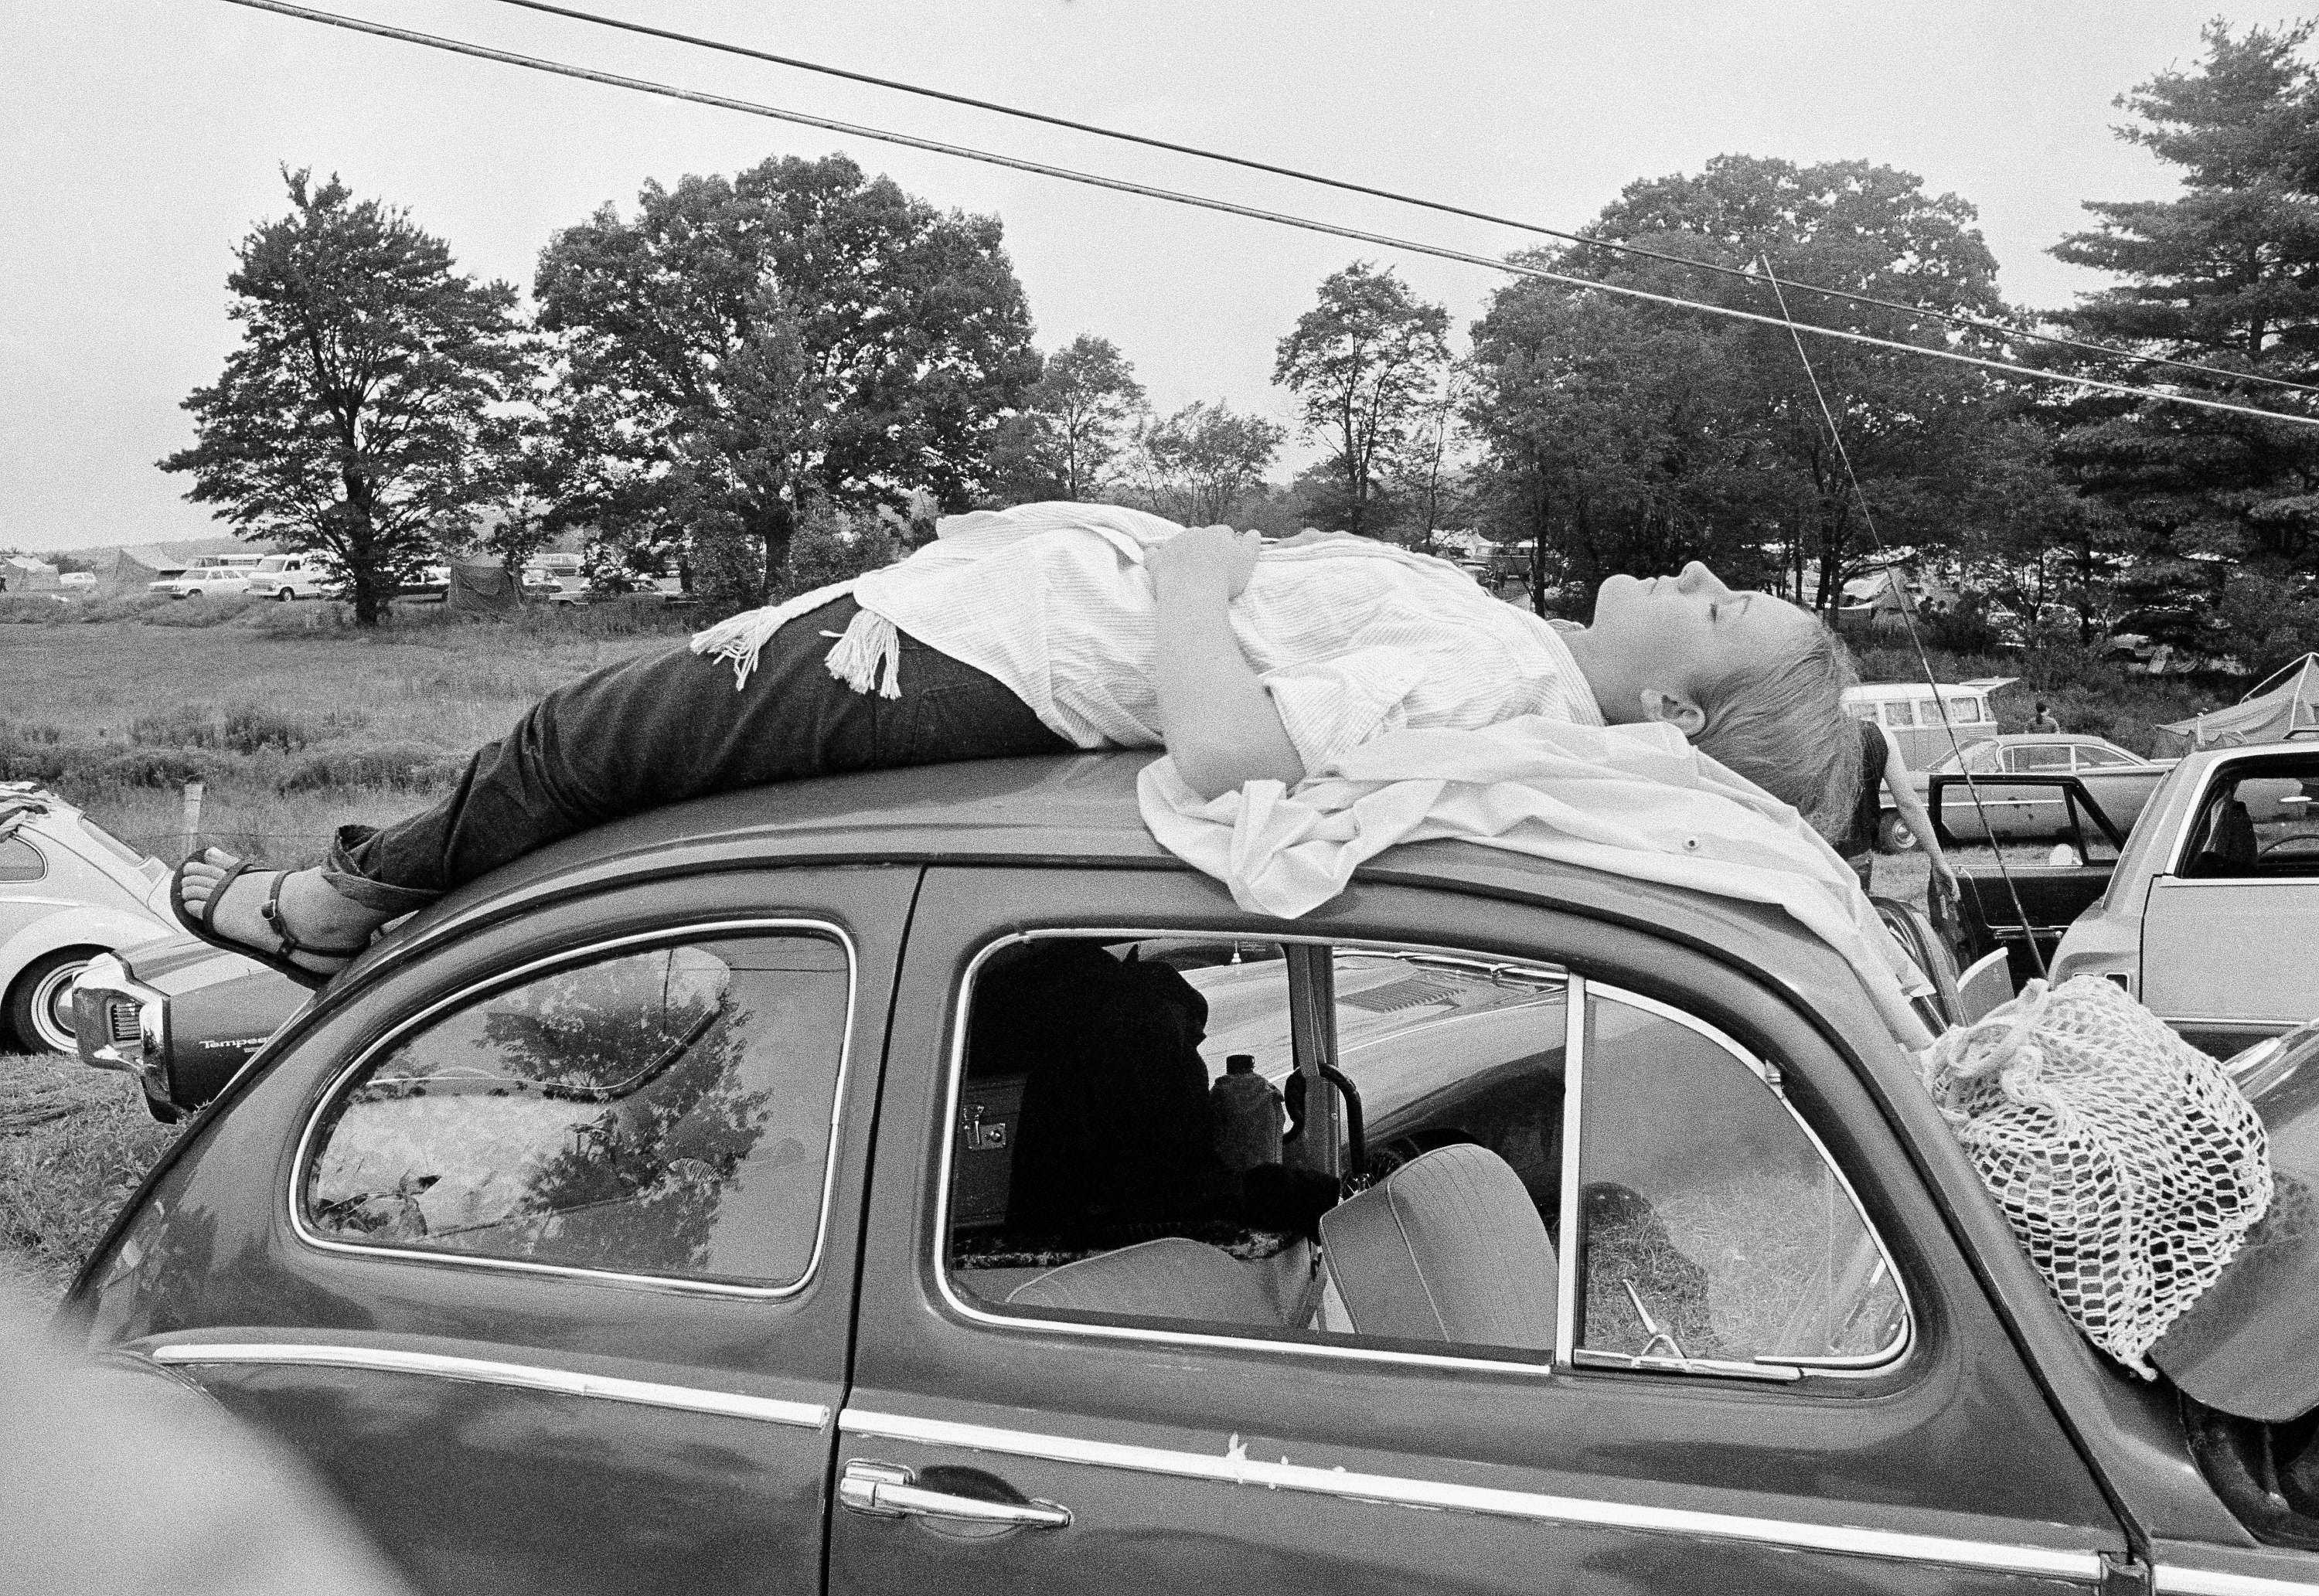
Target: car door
[(2228, 928), (1737, 1379), (542, 1248)]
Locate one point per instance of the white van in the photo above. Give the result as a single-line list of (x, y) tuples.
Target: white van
[(284, 577), (1911, 712)]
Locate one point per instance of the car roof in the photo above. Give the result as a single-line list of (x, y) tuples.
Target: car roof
[(1081, 809)]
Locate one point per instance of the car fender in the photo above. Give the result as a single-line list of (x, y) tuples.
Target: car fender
[(76, 925)]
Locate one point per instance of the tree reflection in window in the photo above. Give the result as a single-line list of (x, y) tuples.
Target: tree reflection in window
[(664, 1112)]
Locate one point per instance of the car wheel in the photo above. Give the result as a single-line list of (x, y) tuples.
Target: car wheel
[(283, 595), (40, 1002), (1894, 836)]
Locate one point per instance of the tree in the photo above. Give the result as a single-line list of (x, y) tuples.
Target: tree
[(2226, 275), (1197, 465), (1074, 427), (354, 417), (1628, 437), (745, 346), (1428, 479), (1363, 363)]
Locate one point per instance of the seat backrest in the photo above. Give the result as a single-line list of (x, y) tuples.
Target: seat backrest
[(2235, 836), (1447, 1248), (1173, 1278)]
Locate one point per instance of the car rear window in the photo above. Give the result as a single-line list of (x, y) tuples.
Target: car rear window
[(656, 1111)]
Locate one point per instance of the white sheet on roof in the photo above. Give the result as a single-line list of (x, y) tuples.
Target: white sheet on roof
[(1632, 800)]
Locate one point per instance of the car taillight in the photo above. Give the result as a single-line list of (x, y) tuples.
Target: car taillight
[(120, 1020)]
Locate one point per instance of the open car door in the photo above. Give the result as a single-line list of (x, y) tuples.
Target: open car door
[(2024, 902)]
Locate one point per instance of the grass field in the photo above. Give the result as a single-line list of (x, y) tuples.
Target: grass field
[(294, 728), (291, 729)]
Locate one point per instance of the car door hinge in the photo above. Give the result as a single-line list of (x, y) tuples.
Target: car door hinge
[(2126, 1575)]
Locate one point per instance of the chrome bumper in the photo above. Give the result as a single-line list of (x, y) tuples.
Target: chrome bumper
[(120, 1022)]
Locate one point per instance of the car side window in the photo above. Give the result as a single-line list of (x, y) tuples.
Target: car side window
[(2044, 757), (2257, 822), (1368, 1145), (2091, 758), (658, 1111), (19, 861), (1714, 1231)]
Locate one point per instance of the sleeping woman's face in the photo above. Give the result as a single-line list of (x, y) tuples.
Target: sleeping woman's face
[(1685, 635)]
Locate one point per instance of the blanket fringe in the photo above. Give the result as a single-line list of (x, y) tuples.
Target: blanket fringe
[(740, 640), (870, 647)]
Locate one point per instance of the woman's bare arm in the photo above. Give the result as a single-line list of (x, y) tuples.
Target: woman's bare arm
[(1219, 724), (1912, 809)]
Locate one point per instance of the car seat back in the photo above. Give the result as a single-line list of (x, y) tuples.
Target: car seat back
[(1447, 1248)]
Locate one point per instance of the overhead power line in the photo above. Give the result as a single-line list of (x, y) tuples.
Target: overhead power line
[(1230, 207), (1953, 318)]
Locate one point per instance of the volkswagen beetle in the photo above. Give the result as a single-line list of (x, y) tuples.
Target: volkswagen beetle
[(858, 1186)]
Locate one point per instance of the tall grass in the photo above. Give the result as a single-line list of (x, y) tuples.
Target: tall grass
[(73, 1144)]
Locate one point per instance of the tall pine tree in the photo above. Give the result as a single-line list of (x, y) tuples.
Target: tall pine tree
[(2221, 511)]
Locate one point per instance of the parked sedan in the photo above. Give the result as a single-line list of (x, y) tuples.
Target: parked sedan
[(203, 581), (69, 892), (826, 1188), (2118, 782), (2211, 915)]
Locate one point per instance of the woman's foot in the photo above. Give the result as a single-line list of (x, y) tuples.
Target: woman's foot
[(327, 929)]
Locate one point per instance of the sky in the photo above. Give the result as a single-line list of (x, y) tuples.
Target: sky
[(141, 140)]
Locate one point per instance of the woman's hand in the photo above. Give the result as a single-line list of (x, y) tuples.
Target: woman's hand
[(1206, 554)]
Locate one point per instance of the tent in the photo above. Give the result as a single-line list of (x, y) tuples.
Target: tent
[(22, 573), (133, 568), (1881, 598), (481, 587), (2282, 705)]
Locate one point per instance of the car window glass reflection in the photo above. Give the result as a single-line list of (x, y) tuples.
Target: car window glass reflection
[(19, 861), (663, 1112), (1712, 1228)]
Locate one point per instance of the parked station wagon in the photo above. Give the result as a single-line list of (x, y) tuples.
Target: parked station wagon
[(823, 1188)]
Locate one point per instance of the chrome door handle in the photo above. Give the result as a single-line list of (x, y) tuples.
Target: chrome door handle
[(886, 1491)]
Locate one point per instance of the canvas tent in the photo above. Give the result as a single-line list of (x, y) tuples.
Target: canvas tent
[(1881, 597), (2283, 705), (132, 568), (481, 587), (22, 573)]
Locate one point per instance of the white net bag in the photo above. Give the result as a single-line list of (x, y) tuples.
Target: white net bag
[(2127, 1163)]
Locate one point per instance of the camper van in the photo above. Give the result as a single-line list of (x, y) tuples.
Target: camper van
[(1912, 713)]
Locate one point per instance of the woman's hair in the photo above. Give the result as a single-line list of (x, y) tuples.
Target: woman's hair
[(1781, 724)]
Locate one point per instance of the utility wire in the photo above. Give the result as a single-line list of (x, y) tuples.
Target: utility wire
[(1256, 213), (1909, 621), (1346, 186)]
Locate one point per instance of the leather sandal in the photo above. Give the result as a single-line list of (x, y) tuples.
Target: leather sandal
[(202, 924)]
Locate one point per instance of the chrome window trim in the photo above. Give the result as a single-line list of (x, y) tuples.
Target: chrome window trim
[(580, 955), (2235, 883), (476, 1371), (1234, 1466), (2204, 1581), (1862, 1366), (1573, 1092), (1022, 1322)]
